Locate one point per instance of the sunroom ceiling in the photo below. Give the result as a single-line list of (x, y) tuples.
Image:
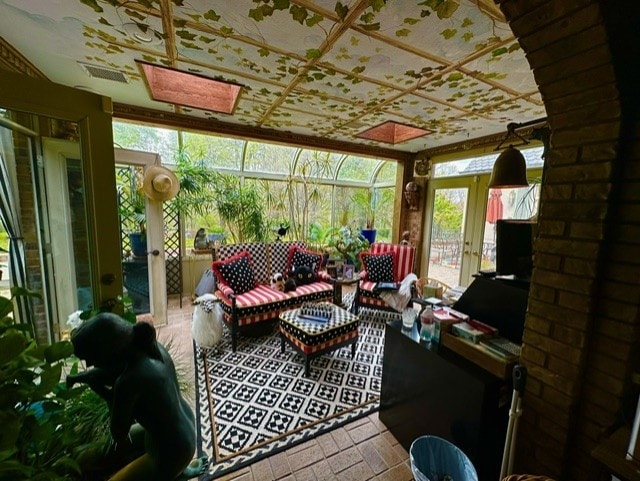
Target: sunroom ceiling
[(320, 69)]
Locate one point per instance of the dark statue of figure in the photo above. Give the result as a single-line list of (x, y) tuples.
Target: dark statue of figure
[(150, 420)]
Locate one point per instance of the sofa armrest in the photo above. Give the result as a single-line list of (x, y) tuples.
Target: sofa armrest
[(226, 291), (324, 276)]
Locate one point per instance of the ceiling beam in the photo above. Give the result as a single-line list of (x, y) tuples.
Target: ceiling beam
[(184, 122)]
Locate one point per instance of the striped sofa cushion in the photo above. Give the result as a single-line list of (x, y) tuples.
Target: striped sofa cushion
[(263, 303)]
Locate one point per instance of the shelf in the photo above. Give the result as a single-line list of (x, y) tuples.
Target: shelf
[(479, 355), (611, 453)]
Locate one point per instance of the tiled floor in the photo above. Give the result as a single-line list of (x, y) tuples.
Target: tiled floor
[(362, 450)]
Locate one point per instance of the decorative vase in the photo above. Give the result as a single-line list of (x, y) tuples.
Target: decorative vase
[(369, 234), (138, 244)]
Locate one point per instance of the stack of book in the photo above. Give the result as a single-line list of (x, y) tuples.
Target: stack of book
[(501, 347), (319, 312), (473, 330)]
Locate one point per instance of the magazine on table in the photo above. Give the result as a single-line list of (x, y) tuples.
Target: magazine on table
[(388, 286)]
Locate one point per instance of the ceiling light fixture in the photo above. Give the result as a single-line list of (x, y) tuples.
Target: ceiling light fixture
[(392, 133), (141, 33), (510, 168), (190, 90)]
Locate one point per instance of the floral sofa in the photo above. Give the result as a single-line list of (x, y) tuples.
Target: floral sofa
[(244, 272)]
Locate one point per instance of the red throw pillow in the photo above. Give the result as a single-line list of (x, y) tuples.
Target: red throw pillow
[(236, 272)]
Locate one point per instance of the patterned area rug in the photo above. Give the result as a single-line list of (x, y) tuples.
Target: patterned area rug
[(256, 402)]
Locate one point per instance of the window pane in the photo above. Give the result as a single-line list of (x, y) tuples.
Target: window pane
[(318, 164), (357, 168), (269, 158), (217, 151), (148, 139), (519, 203), (483, 164), (447, 233), (387, 173)]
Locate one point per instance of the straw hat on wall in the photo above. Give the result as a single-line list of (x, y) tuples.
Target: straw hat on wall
[(160, 183)]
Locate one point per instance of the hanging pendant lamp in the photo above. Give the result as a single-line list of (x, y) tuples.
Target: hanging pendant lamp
[(509, 170)]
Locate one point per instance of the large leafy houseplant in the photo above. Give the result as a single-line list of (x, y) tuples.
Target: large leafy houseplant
[(50, 432), (45, 426), (348, 243)]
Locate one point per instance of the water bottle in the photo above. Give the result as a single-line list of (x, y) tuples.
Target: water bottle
[(428, 326)]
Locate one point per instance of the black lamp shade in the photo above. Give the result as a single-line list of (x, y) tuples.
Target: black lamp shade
[(510, 169)]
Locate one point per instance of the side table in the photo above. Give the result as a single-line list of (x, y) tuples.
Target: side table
[(338, 282)]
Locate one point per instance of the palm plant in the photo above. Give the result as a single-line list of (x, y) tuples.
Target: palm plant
[(240, 208)]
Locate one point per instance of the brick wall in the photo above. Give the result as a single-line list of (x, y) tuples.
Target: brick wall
[(583, 319), (27, 215)]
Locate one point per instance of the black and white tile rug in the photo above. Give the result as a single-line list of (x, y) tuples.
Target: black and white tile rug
[(256, 402)]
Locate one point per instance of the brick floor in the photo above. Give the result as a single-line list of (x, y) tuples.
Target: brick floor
[(360, 451)]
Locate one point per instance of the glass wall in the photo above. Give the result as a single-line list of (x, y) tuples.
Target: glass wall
[(307, 191)]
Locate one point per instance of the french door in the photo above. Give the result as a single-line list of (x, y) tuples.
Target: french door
[(145, 276), (453, 240), (461, 221)]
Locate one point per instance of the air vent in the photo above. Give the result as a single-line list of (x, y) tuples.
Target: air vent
[(104, 73)]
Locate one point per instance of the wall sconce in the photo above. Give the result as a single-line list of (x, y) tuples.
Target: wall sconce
[(411, 195), (510, 168)]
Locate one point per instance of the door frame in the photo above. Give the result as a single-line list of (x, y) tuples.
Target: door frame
[(470, 235), (60, 266), (155, 236), (93, 114)]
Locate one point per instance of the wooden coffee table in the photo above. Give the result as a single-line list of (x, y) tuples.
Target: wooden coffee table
[(312, 339)]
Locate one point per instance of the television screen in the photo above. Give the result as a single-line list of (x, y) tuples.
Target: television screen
[(514, 247)]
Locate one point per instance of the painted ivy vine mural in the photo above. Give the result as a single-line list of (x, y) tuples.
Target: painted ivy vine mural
[(431, 63)]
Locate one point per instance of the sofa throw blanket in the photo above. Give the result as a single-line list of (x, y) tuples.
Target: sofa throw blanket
[(399, 299)]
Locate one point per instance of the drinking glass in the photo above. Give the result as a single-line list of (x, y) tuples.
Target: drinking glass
[(408, 318)]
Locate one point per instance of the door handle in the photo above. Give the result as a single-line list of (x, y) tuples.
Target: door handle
[(155, 252)]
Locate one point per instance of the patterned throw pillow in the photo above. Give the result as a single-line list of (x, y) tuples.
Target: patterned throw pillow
[(299, 257), (236, 272), (379, 267)]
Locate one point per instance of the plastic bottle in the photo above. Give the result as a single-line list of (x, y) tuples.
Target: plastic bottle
[(426, 333), (428, 326)]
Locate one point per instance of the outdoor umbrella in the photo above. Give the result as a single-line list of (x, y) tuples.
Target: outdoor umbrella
[(494, 207)]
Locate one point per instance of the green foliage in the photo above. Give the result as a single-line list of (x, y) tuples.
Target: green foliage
[(195, 197), (447, 215), (348, 243), (44, 424), (49, 432), (4, 239), (240, 208)]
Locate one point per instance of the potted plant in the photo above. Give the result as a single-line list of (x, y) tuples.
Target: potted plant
[(135, 217), (347, 243), (368, 201)]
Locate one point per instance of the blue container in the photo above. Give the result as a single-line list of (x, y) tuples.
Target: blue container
[(433, 458)]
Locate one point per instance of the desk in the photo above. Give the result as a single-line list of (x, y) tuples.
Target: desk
[(432, 390), (611, 453)]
